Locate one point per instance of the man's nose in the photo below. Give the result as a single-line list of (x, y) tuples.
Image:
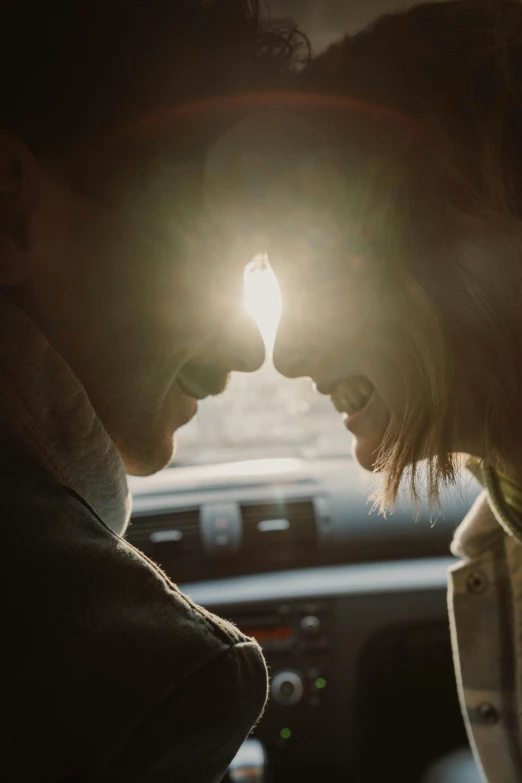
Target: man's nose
[(241, 343)]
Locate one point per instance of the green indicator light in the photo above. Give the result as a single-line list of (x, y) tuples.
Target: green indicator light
[(320, 683), (285, 733)]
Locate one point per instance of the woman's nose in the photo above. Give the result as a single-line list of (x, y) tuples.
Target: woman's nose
[(290, 355)]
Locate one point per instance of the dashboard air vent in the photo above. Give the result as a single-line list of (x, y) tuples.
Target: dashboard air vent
[(279, 535), (173, 540)]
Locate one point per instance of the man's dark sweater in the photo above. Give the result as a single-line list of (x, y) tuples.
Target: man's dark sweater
[(110, 673)]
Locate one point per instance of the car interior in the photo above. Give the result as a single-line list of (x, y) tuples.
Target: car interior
[(264, 518), (349, 607)]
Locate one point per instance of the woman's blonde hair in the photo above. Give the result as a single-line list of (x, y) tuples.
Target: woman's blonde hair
[(438, 216)]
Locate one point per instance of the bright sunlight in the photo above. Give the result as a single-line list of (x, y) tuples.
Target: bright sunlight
[(263, 298)]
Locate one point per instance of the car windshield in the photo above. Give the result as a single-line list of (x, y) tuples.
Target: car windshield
[(263, 414)]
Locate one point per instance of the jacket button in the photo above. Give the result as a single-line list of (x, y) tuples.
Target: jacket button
[(476, 582)]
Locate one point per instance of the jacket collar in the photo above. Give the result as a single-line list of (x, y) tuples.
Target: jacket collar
[(44, 409)]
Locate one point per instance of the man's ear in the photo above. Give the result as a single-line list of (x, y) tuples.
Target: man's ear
[(17, 172)]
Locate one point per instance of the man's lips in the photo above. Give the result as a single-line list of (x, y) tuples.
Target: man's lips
[(200, 380)]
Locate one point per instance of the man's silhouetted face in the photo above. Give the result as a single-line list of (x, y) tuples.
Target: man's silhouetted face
[(112, 255)]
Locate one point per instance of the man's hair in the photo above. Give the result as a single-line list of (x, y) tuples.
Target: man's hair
[(440, 213), (74, 68)]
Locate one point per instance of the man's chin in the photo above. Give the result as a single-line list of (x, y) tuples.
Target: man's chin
[(147, 459)]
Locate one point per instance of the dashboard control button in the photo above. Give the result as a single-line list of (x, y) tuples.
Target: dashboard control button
[(287, 688), (221, 528), (310, 625)]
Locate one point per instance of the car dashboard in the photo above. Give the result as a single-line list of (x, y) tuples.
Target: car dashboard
[(349, 606)]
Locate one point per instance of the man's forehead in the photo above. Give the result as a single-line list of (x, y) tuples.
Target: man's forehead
[(178, 134), (110, 168), (184, 132)]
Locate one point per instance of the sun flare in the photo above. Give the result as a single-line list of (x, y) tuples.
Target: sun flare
[(263, 298)]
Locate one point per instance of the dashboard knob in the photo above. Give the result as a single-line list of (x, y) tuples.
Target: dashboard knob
[(287, 688), (310, 625)]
